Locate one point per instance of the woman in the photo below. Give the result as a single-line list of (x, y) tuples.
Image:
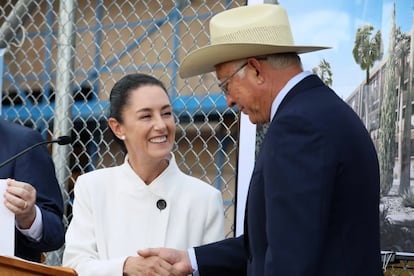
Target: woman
[(145, 202)]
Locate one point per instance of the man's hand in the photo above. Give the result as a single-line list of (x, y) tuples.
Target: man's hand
[(153, 265), (178, 258), (20, 198)]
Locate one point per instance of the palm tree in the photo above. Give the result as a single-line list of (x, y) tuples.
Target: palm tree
[(367, 50), (324, 71)]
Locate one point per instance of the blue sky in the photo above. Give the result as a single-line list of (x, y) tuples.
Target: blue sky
[(333, 23)]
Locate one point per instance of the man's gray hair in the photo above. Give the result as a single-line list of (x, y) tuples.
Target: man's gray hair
[(284, 60)]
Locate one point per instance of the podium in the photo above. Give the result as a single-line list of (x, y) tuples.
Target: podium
[(10, 266)]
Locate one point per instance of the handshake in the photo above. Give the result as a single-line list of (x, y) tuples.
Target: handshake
[(158, 261)]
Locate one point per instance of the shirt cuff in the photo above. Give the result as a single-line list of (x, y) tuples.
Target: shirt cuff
[(36, 230), (193, 261)]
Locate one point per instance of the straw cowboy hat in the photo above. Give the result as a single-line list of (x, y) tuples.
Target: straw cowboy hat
[(243, 32)]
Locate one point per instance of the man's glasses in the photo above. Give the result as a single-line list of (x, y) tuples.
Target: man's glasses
[(223, 85)]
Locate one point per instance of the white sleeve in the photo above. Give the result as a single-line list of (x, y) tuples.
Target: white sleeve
[(193, 260), (214, 228), (35, 231)]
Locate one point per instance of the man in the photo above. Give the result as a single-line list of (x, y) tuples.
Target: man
[(313, 200), (32, 194)]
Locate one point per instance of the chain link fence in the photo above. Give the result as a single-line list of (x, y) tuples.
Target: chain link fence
[(62, 58)]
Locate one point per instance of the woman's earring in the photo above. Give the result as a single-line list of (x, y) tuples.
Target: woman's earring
[(122, 137)]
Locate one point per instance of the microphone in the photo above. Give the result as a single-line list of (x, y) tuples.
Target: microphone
[(161, 204), (61, 140)]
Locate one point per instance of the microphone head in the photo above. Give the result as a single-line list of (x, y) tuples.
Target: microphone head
[(64, 140)]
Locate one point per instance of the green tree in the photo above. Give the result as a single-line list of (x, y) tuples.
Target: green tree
[(367, 49), (386, 151), (324, 71), (402, 50)]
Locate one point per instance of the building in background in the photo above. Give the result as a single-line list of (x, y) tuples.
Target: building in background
[(385, 104)]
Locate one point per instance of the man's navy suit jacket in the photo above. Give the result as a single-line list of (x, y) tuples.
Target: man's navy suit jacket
[(313, 200), (36, 168)]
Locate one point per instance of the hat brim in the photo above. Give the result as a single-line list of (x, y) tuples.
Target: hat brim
[(205, 59)]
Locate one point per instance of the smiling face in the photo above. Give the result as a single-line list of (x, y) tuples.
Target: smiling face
[(147, 127)]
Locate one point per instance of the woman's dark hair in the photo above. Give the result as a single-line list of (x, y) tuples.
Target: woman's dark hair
[(121, 94)]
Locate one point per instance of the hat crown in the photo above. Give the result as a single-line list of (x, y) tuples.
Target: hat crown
[(247, 31), (259, 24)]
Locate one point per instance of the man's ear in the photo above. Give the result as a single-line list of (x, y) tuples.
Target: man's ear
[(116, 127), (255, 64)]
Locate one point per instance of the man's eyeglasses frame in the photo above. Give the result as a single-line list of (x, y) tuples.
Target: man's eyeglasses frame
[(223, 85)]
